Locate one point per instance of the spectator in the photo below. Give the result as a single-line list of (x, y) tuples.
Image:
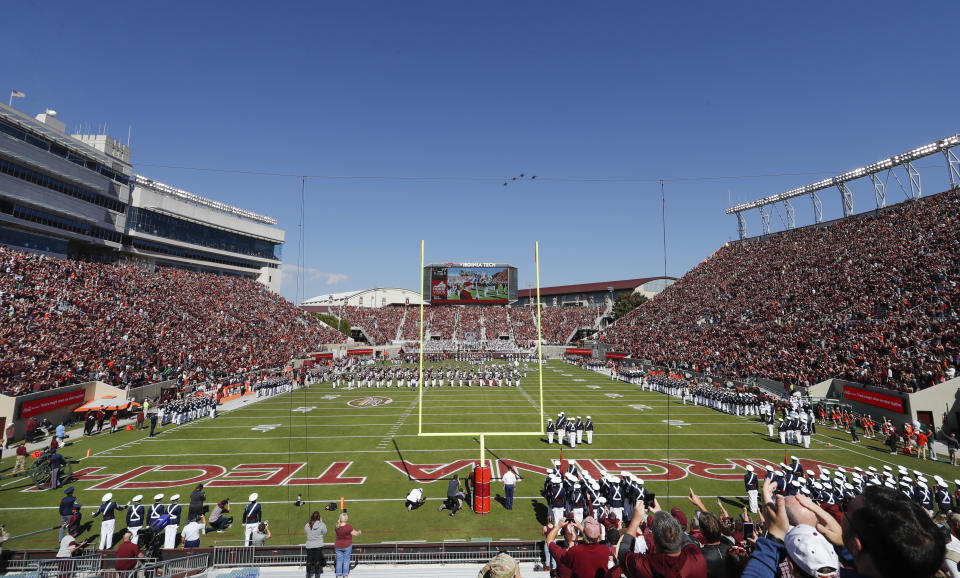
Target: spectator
[(127, 555), (671, 558), (586, 560), (500, 566), (315, 530), (344, 544), (815, 303)]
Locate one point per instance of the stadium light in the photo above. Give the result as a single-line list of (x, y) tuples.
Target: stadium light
[(889, 163)]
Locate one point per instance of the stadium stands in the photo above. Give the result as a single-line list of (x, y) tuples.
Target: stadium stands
[(71, 321), (871, 299)]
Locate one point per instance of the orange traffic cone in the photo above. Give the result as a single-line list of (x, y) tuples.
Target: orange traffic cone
[(88, 452), (342, 503), (129, 428)]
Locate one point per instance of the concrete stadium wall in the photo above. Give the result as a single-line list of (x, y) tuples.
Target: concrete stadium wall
[(151, 390), (10, 405), (939, 399)]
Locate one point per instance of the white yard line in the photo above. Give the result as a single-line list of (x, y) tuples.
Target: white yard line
[(552, 449)]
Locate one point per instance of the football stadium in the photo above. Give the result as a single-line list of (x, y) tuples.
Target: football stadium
[(785, 406)]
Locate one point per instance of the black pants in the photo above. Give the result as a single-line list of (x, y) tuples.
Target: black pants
[(315, 562)]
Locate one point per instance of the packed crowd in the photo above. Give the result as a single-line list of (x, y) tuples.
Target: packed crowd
[(862, 523), (872, 299), (71, 321), (471, 323)]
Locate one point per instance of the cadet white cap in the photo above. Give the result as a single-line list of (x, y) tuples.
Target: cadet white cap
[(795, 483), (872, 469), (769, 468), (957, 482), (595, 486), (137, 498), (254, 496), (576, 486), (795, 458), (588, 417), (779, 473), (615, 479), (638, 480), (107, 497), (811, 474), (602, 500), (158, 497), (749, 468), (174, 497)]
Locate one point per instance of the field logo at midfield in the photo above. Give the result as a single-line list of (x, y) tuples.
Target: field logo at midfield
[(369, 401)]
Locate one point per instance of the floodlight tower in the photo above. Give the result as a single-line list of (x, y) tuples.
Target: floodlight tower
[(912, 191)]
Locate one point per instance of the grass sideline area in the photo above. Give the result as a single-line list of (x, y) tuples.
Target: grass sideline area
[(362, 445)]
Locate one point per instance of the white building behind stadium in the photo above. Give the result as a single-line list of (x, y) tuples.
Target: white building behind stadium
[(77, 196), (375, 298)]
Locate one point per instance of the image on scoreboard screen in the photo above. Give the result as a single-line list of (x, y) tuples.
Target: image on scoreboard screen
[(472, 283), (479, 284)]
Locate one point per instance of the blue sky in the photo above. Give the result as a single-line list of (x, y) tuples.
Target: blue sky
[(408, 118)]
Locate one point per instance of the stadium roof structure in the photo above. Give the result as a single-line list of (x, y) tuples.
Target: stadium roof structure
[(202, 201), (904, 160), (622, 285)]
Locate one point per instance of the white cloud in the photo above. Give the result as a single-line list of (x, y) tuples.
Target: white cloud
[(310, 274)]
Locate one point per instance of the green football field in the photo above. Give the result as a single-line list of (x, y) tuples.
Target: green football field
[(363, 446)]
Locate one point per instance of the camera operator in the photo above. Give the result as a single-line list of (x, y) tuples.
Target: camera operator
[(219, 521), (259, 536)]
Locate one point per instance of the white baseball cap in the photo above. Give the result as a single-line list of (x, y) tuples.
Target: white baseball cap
[(254, 496), (811, 552)]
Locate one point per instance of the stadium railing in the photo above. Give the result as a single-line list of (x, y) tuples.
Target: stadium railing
[(80, 566), (227, 555), (177, 567)]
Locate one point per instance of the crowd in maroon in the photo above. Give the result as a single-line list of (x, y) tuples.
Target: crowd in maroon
[(69, 321), (871, 299)]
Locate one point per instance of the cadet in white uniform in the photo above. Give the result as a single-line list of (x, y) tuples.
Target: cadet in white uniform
[(170, 530), (108, 524)]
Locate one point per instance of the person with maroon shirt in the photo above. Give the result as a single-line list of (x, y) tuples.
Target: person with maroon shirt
[(127, 554), (672, 558), (588, 559), (343, 545), (21, 464)]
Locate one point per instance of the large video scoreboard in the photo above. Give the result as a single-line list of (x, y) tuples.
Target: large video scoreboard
[(473, 283)]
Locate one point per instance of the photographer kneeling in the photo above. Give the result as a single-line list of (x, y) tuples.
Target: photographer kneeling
[(219, 521)]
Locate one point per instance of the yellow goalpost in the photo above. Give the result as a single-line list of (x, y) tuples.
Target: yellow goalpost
[(482, 435)]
